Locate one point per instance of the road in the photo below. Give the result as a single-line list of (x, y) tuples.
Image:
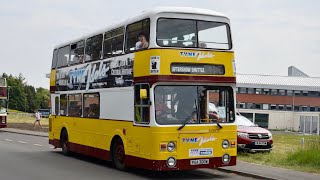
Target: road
[(28, 157)]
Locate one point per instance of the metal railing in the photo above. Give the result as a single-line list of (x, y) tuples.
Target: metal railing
[(309, 125)]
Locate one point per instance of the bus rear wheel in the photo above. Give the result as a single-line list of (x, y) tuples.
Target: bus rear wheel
[(64, 141), (118, 155)]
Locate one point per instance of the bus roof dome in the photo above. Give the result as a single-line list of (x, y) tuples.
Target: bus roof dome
[(185, 10), (145, 14)]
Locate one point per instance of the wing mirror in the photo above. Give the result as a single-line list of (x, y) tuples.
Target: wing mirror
[(143, 94)]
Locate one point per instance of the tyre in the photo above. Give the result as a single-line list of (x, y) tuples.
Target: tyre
[(118, 155), (64, 141)]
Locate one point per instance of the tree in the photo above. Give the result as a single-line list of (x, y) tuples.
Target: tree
[(43, 98), (31, 98), (25, 97), (17, 95)]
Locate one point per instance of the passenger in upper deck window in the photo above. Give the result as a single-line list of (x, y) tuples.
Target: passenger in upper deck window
[(202, 45), (142, 43), (180, 41)]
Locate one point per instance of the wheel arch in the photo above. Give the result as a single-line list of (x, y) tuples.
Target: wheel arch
[(118, 135), (64, 127)]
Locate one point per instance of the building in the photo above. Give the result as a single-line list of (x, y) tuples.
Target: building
[(280, 102)]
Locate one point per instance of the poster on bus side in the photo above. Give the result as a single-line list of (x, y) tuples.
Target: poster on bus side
[(107, 73)]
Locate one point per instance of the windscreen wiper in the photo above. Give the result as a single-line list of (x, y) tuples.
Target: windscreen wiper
[(216, 122), (185, 122)]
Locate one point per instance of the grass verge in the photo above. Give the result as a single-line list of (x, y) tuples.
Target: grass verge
[(25, 121), (25, 118), (289, 153)]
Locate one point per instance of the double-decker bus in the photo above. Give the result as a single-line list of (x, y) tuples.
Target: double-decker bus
[(155, 92), (3, 102)]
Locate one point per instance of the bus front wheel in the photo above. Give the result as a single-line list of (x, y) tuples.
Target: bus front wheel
[(118, 154), (64, 141)]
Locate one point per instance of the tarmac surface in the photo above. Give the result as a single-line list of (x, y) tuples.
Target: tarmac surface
[(27, 155)]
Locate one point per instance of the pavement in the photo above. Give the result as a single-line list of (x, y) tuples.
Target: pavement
[(19, 131), (242, 168), (268, 172)]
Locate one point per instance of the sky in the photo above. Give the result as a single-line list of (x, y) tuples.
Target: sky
[(268, 35)]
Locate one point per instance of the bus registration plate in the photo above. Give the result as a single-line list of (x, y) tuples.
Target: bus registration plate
[(199, 161)]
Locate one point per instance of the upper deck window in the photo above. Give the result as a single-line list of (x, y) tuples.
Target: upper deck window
[(54, 59), (63, 56), (193, 34), (113, 43), (138, 35), (77, 50), (94, 48)]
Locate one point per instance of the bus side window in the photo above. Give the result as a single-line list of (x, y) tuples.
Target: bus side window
[(133, 32), (54, 59), (77, 50), (56, 108), (141, 105), (93, 49), (91, 105), (113, 43), (63, 105), (63, 56), (75, 105)]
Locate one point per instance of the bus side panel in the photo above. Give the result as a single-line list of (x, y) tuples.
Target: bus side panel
[(98, 134)]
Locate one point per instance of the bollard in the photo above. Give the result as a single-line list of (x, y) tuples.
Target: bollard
[(302, 142)]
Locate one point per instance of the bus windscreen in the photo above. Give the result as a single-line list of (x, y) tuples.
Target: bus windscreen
[(188, 33)]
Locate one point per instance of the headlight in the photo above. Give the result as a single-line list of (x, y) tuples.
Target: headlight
[(171, 146), (270, 135), (225, 144), (242, 134), (171, 162), (226, 158)]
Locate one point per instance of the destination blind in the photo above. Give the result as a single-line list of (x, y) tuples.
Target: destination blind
[(208, 69)]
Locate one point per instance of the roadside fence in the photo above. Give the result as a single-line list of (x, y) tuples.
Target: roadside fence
[(309, 125)]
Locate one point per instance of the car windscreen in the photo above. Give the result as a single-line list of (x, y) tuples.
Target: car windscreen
[(243, 121), (3, 105)]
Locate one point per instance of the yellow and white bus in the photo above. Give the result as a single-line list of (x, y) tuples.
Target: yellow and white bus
[(154, 92)]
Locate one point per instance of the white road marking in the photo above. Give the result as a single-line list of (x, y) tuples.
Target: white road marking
[(8, 140), (22, 142), (37, 144), (52, 147)]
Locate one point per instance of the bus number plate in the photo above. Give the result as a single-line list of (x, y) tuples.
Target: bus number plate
[(199, 161)]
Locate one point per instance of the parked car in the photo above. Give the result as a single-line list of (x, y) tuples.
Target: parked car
[(252, 137), (213, 112), (44, 112)]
